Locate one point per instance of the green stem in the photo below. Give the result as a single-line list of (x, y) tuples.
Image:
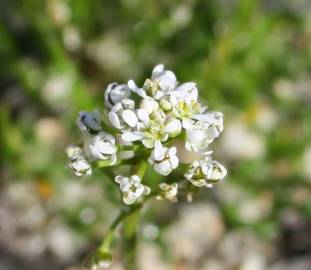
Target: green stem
[(130, 227), (142, 168), (130, 217)]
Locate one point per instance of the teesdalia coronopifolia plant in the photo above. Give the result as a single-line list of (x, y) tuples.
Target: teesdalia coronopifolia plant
[(139, 127)]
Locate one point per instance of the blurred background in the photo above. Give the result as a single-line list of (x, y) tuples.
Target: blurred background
[(251, 60)]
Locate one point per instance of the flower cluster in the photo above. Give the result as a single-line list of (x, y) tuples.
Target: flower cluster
[(143, 123)]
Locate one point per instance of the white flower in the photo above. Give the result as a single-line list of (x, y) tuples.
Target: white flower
[(115, 93), (162, 81), (185, 109), (163, 159), (186, 91), (168, 192), (123, 116), (212, 118), (101, 147), (165, 78), (205, 172), (131, 188), (203, 130), (89, 122), (151, 128), (78, 163)]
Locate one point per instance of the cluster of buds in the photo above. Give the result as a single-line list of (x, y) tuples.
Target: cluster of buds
[(141, 124)]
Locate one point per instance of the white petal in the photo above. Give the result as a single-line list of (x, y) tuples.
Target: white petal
[(163, 168), (139, 91), (146, 190), (149, 104), (117, 107), (106, 149), (172, 151), (187, 123), (157, 70), (118, 179), (195, 136), (143, 116), (213, 132), (114, 119), (167, 80), (173, 127), (186, 91), (174, 162), (159, 151), (130, 118), (132, 136), (128, 200), (128, 104), (135, 178)]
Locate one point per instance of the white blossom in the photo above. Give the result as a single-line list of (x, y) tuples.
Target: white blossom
[(162, 81), (168, 192), (77, 162), (205, 172), (157, 126), (163, 159), (165, 78), (89, 122), (101, 147), (123, 115), (185, 109), (115, 93), (131, 188), (202, 131), (186, 91)]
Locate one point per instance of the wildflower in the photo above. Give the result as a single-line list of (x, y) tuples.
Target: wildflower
[(165, 78), (185, 110), (131, 188), (168, 192), (186, 91), (115, 93), (102, 147), (202, 131), (89, 122), (163, 159), (162, 81), (205, 172), (123, 116), (77, 162), (151, 128)]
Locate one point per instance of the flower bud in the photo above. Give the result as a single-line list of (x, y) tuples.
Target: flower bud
[(78, 163), (102, 147), (168, 192), (131, 188), (115, 93), (205, 172), (165, 78), (89, 122)]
